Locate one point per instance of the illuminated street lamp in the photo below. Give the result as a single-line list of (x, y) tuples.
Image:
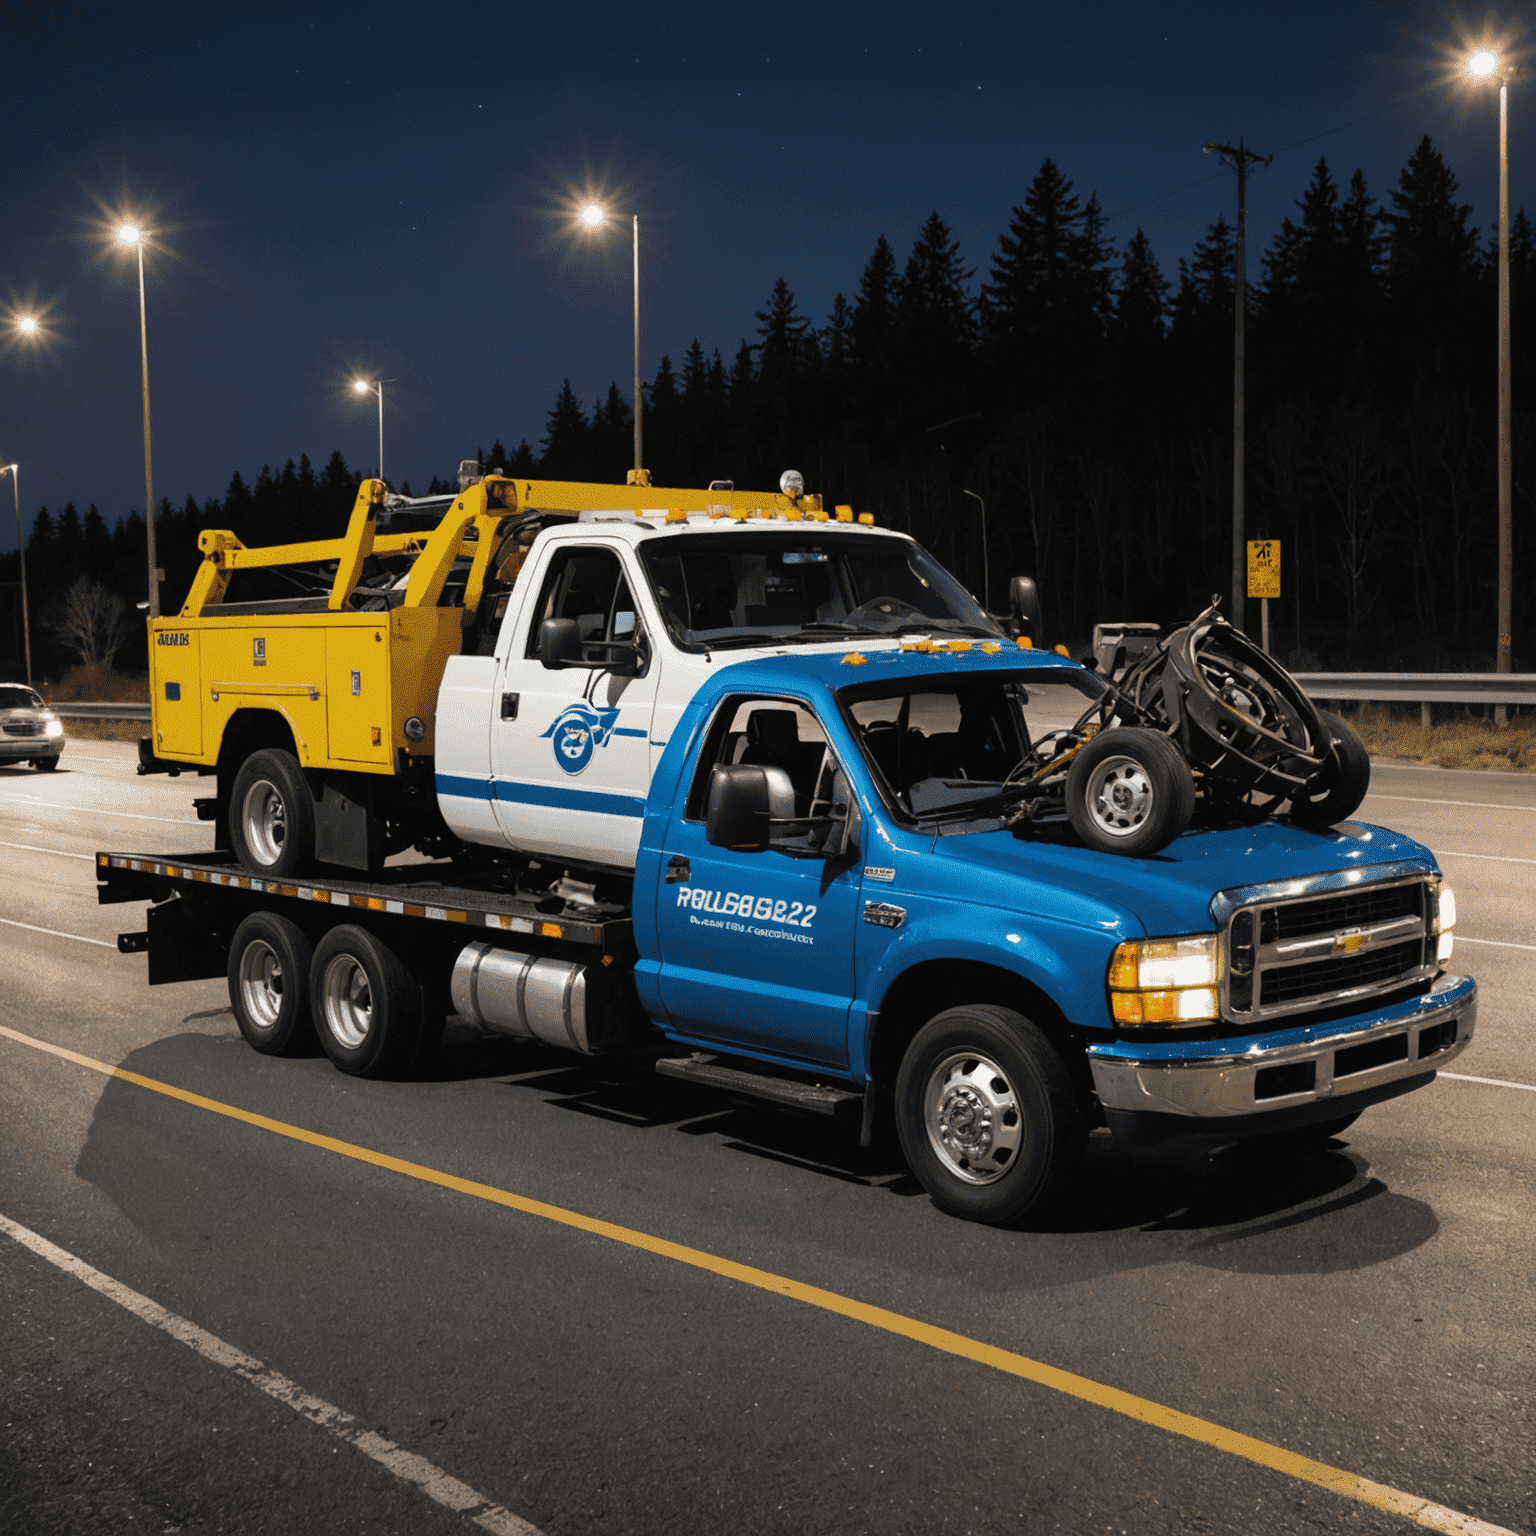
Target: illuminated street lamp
[(1485, 65), (374, 387), (21, 552), (593, 216), (27, 325), (131, 237)]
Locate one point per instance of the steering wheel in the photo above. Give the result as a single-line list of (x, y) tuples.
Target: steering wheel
[(886, 607)]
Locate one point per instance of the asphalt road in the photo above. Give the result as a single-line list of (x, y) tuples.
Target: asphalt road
[(1369, 1307)]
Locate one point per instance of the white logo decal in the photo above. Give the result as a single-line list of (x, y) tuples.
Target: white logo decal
[(749, 911), (873, 872)]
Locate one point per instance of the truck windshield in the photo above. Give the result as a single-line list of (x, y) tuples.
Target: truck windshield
[(940, 744), (17, 697), (740, 588)]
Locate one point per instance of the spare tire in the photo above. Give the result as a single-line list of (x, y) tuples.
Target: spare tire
[(1341, 785), (1129, 791)]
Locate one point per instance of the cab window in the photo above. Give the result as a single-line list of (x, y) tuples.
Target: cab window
[(589, 586)]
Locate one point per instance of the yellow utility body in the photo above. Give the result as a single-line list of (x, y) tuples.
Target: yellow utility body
[(354, 675)]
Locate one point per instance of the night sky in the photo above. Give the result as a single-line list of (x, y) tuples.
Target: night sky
[(335, 188)]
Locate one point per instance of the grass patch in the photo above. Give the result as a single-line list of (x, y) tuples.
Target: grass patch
[(1453, 744), (105, 730)]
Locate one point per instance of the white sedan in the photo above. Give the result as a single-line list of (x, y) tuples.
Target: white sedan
[(29, 731)]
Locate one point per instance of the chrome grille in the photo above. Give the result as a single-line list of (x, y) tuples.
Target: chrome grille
[(24, 728), (1297, 954)]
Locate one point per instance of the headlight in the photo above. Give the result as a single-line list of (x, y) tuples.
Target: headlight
[(1444, 921), (1166, 981), (55, 727)]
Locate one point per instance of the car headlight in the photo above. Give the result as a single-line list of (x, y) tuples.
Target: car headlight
[(1443, 920), (55, 727), (1166, 981)]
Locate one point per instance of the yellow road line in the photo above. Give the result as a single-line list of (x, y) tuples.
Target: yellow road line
[(1423, 1512)]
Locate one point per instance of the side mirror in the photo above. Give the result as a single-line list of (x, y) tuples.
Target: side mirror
[(743, 799), (559, 644), (1023, 607)]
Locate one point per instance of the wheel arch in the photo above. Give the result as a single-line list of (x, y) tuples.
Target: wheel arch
[(923, 990)]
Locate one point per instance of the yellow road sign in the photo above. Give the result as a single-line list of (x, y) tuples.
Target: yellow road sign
[(1264, 568)]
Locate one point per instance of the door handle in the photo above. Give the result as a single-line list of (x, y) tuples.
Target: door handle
[(678, 870), (509, 706)]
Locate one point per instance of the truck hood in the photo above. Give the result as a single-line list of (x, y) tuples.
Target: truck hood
[(1171, 891)]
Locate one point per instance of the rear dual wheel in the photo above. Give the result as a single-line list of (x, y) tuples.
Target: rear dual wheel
[(269, 966), (272, 814), (367, 1006)]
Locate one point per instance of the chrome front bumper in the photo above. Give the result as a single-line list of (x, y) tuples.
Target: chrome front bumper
[(30, 746), (1220, 1080)]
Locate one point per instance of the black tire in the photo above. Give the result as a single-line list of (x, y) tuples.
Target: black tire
[(272, 814), (986, 1114), (366, 1004), (46, 764), (269, 966), (1344, 781), (1129, 791)]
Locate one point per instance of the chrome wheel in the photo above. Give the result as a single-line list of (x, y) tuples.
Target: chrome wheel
[(972, 1117), (261, 983), (347, 999), (264, 821), (1119, 796)]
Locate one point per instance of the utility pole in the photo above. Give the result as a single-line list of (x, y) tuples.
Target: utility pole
[(1239, 159)]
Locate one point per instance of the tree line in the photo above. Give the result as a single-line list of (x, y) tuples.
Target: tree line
[(1085, 395)]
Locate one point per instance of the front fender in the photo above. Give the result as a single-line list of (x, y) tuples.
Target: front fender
[(1066, 961)]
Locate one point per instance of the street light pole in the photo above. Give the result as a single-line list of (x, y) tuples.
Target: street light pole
[(986, 582), (131, 235), (1484, 65), (366, 386), (1504, 658), (21, 552), (639, 398), (593, 216), (1239, 159)]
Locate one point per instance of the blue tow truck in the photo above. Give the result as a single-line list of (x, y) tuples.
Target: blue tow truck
[(840, 903)]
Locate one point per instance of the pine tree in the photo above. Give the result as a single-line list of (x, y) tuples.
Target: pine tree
[(663, 394), (1141, 305), (1207, 283), (872, 330), (1431, 253), (565, 440), (783, 351), (836, 339), (695, 374), (522, 463)]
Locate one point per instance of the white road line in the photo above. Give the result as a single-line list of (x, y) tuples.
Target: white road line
[(1493, 1082), (1461, 938), (95, 810), (408, 1467), (1481, 805), (60, 853), (33, 928), (1496, 858)]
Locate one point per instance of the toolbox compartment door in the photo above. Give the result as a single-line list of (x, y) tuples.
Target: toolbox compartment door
[(357, 694), (176, 699)]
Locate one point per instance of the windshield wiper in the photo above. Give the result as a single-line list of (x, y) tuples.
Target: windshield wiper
[(1010, 794), (949, 626), (840, 627)]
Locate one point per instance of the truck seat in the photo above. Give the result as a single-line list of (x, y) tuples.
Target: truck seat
[(773, 739)]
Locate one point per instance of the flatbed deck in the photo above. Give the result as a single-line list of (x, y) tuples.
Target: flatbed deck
[(434, 892)]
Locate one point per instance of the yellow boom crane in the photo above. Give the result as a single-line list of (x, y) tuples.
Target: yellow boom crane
[(345, 675)]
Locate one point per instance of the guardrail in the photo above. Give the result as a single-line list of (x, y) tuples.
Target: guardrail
[(101, 711), (1422, 688)]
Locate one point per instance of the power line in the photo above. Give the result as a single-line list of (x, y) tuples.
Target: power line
[(1310, 139)]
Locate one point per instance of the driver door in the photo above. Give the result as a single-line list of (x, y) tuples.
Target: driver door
[(757, 947), (570, 749)]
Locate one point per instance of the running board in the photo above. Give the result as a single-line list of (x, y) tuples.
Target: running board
[(788, 1092)]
